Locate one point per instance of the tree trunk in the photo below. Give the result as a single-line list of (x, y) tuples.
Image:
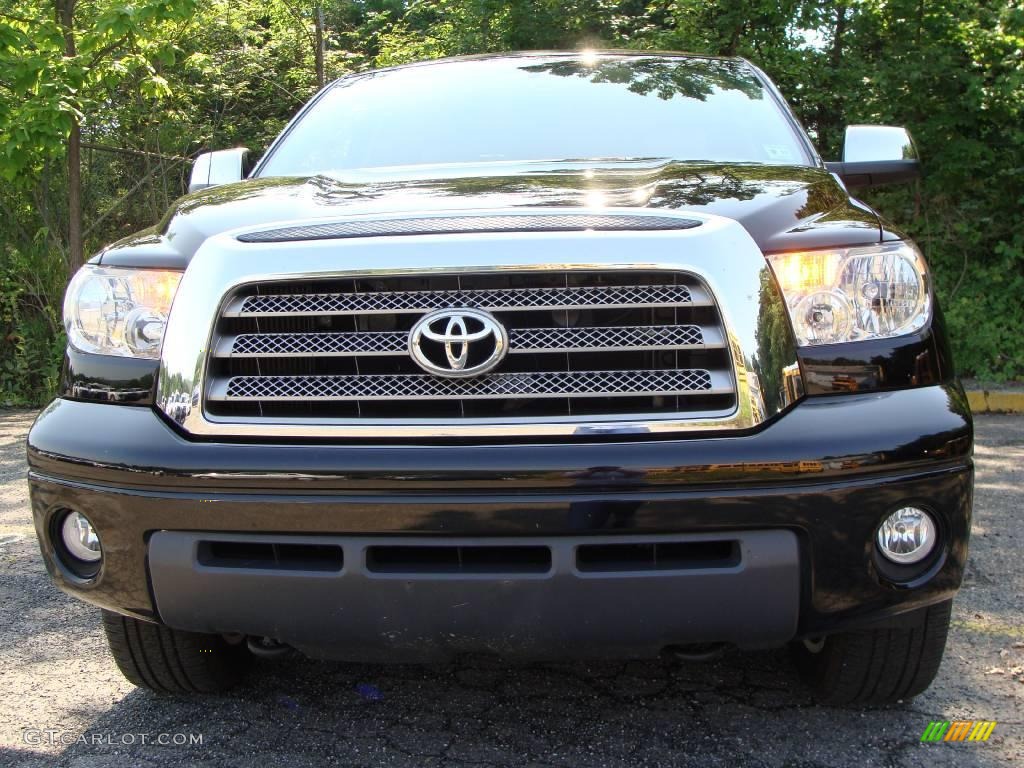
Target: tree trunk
[(837, 39), (831, 114), (318, 26), (76, 250)]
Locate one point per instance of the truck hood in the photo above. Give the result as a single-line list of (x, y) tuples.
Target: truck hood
[(782, 207)]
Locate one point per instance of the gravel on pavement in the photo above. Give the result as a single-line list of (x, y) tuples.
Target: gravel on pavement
[(63, 702)]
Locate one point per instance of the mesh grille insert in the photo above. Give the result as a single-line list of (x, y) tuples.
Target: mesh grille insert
[(589, 345)]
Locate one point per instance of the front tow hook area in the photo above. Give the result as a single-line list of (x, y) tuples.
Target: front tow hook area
[(268, 648), (696, 653)]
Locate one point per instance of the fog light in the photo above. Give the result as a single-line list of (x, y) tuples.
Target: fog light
[(907, 536), (80, 538)]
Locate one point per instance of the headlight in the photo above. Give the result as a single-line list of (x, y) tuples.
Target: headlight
[(118, 311), (853, 294)]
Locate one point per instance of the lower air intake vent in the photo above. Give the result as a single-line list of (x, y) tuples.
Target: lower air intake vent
[(657, 556), (458, 559), (270, 556)]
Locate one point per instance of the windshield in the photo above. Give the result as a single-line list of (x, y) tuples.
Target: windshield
[(522, 109)]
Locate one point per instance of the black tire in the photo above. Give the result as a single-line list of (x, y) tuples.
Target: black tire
[(878, 666), (169, 661)]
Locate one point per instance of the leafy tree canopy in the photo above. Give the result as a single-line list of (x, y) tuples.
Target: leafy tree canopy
[(111, 97)]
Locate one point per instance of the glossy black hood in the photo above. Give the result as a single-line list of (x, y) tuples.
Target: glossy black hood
[(782, 207)]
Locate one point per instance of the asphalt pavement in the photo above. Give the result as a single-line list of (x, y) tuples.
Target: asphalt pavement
[(63, 702)]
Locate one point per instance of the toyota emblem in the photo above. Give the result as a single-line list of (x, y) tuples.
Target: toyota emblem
[(458, 343)]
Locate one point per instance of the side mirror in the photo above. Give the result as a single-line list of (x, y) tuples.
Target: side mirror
[(211, 169), (876, 154)]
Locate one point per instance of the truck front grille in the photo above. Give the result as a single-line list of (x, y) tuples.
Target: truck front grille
[(580, 344)]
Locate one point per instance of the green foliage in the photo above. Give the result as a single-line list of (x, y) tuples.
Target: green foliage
[(953, 73), (31, 335), (169, 78), (43, 85)]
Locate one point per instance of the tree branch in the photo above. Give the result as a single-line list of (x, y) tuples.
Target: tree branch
[(120, 201), (133, 152)]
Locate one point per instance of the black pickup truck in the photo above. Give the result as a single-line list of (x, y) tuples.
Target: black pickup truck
[(548, 355)]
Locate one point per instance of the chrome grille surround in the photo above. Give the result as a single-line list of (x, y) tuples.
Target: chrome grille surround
[(663, 368), (719, 255)]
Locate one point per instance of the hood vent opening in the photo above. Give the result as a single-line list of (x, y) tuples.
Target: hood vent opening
[(452, 225)]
